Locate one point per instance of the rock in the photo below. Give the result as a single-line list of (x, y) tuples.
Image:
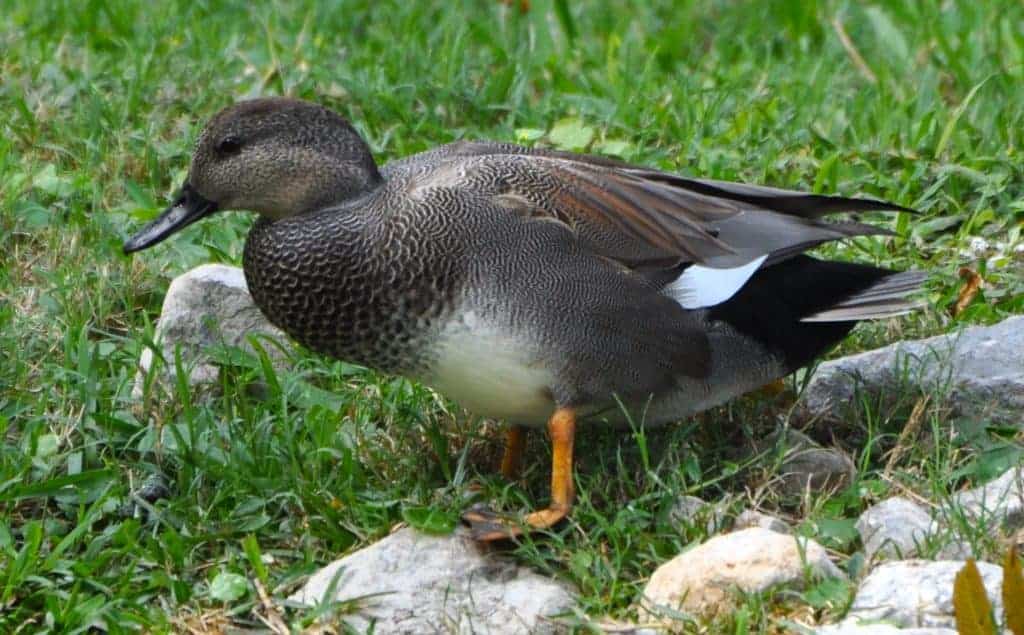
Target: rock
[(854, 627), (702, 580), (609, 625), (808, 466), (1016, 541), (894, 528), (996, 507), (752, 518), (1001, 500), (953, 546), (425, 584), (916, 593), (696, 512), (206, 307), (981, 370), (817, 470), (154, 488)]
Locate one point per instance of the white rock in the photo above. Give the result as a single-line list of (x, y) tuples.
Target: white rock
[(430, 584), (894, 528), (996, 507), (624, 628), (207, 307), (854, 627), (1000, 502), (977, 247), (753, 518), (702, 580), (916, 593), (981, 369)]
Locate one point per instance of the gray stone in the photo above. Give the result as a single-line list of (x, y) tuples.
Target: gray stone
[(418, 583), (703, 579), (753, 518), (952, 545), (816, 470), (981, 369), (806, 466), (918, 593), (894, 528), (854, 627), (694, 511), (207, 307), (790, 439), (1000, 502)]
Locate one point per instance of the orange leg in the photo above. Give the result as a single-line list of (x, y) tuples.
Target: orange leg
[(773, 389), (512, 460), (776, 391), (488, 526)]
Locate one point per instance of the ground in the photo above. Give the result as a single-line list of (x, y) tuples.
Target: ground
[(917, 103)]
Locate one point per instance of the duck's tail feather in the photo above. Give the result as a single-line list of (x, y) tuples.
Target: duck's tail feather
[(888, 297), (801, 307)]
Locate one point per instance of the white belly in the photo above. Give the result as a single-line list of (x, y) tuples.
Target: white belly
[(491, 373)]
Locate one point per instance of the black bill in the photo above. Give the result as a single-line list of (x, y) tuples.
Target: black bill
[(188, 207)]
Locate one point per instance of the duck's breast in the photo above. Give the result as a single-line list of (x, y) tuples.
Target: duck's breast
[(490, 371)]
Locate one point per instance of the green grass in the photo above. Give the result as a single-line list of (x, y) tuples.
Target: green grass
[(100, 104)]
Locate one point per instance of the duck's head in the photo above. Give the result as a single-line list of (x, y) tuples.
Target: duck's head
[(278, 157)]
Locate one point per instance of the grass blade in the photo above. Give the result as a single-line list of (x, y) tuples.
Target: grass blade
[(53, 486), (565, 19), (947, 131)]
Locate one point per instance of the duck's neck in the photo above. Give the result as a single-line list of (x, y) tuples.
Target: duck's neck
[(339, 185), (348, 172), (340, 170)]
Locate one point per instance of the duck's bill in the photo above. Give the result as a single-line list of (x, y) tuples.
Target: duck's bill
[(188, 207)]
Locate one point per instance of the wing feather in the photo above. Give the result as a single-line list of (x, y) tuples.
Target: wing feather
[(647, 219)]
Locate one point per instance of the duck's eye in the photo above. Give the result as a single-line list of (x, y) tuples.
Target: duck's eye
[(229, 145)]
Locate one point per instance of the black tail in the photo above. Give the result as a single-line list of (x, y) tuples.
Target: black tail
[(801, 307)]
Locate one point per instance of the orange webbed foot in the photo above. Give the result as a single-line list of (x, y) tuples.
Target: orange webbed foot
[(488, 526)]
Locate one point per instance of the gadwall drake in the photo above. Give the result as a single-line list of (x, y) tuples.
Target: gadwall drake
[(531, 286)]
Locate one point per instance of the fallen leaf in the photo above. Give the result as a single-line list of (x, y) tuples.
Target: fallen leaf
[(972, 284), (971, 607), (1013, 593)]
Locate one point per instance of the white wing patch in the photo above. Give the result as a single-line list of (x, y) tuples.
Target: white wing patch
[(701, 287)]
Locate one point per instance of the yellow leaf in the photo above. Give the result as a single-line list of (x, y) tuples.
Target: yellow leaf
[(972, 284), (1013, 593), (970, 604)]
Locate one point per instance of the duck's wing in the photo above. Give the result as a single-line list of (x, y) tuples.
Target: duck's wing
[(645, 218)]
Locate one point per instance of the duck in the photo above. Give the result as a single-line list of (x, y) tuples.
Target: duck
[(536, 287)]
